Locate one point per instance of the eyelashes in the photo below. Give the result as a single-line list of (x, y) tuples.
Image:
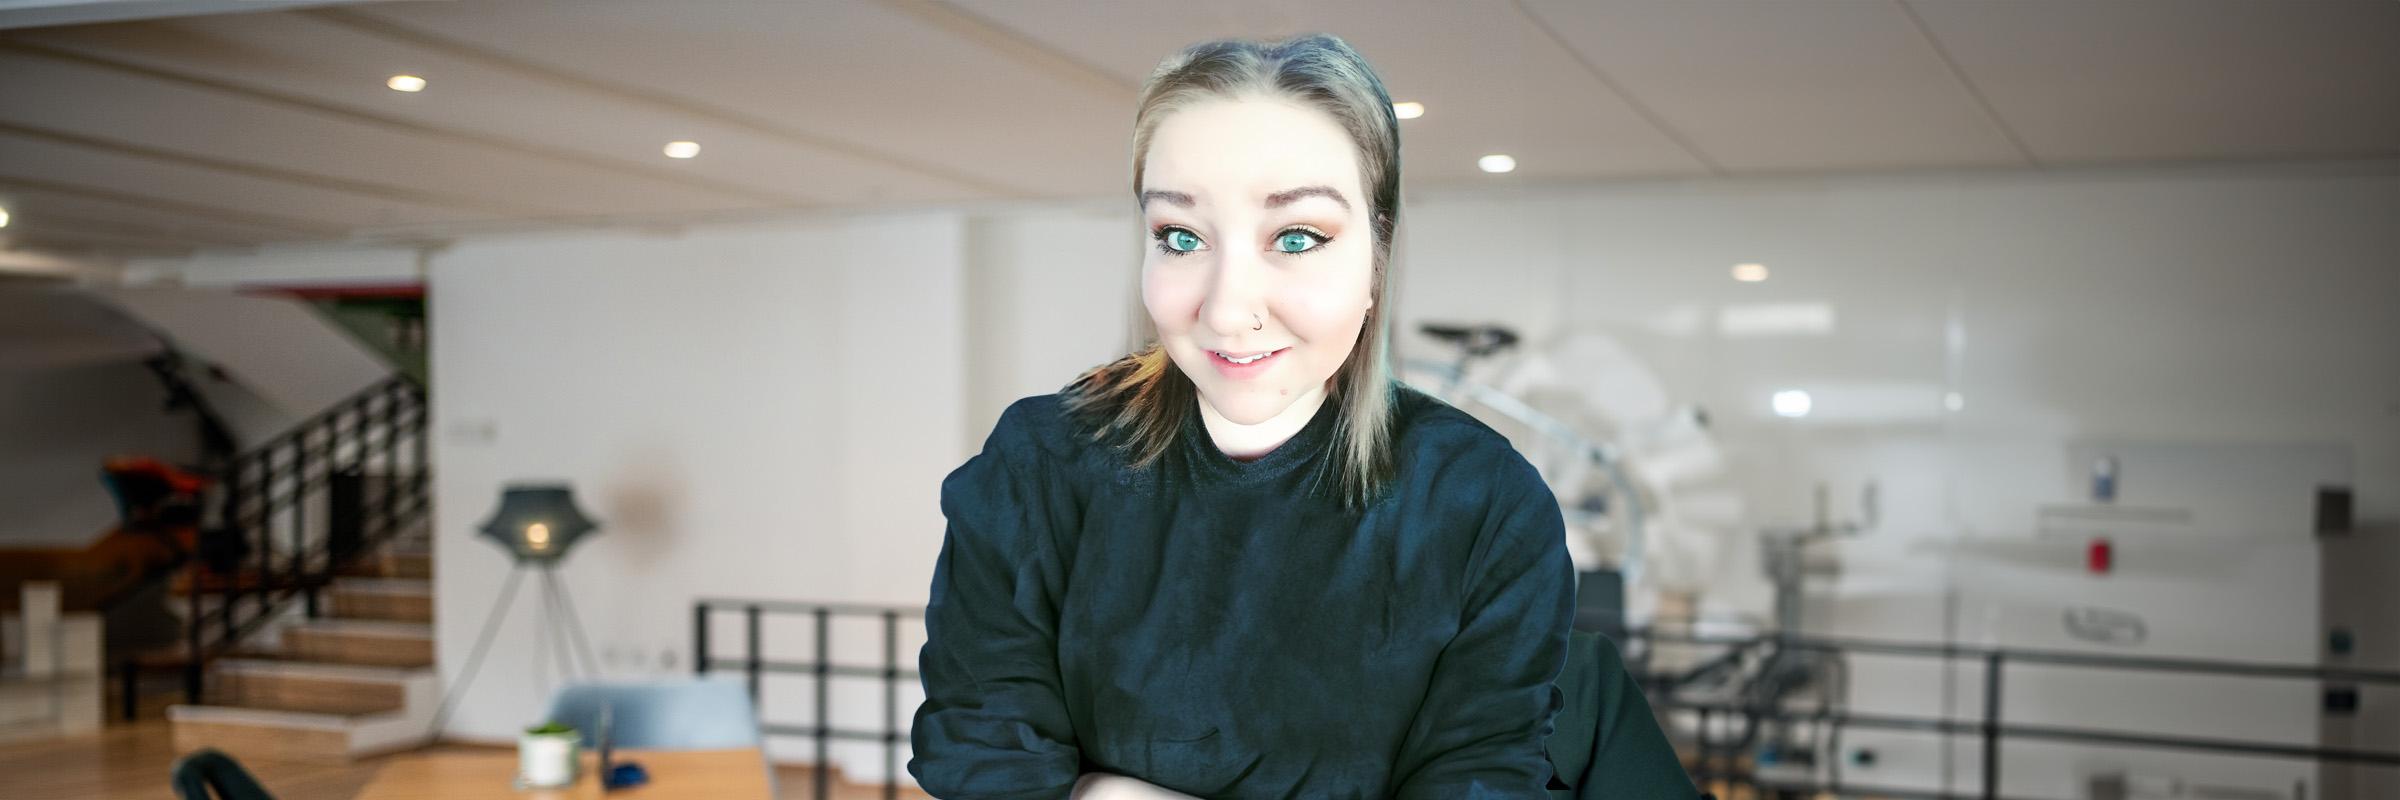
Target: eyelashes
[(1165, 239)]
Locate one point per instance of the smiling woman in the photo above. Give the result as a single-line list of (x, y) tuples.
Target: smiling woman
[(1247, 160), (1265, 307), (1244, 562)]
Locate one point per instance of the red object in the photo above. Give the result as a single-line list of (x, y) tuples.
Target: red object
[(174, 479), (2100, 557)]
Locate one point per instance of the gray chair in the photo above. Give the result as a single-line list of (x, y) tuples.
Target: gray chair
[(678, 714)]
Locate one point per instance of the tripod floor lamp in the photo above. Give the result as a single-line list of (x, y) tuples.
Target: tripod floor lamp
[(536, 524)]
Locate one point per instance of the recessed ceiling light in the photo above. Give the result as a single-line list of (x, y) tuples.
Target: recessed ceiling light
[(1749, 273), (1792, 403), (1496, 163), (406, 83), (682, 149), (1409, 110), (3, 218)]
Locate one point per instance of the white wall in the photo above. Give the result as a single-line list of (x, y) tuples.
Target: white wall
[(74, 392), (284, 265), (761, 412), (58, 424), (280, 349), (1054, 292)]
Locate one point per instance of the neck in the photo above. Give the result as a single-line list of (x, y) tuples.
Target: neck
[(1246, 442)]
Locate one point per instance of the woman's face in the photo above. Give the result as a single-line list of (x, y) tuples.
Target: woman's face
[(1260, 244)]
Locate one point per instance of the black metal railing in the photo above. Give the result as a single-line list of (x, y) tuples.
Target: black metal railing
[(349, 458), (755, 666), (1718, 761)]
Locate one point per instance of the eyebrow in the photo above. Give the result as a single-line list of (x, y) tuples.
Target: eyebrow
[(1177, 198), (1276, 200), (1290, 196)]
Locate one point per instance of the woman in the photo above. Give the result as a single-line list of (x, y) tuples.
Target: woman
[(1244, 562)]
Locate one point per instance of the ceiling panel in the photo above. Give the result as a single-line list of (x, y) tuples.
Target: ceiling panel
[(318, 59), (64, 161), (28, 200), (878, 79), (243, 134), (274, 126), (1491, 80), (1787, 87), (2151, 80), (73, 241), (184, 235)]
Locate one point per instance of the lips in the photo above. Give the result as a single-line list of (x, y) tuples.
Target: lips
[(1258, 362), (1242, 358)]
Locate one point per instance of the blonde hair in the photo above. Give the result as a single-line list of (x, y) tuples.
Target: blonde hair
[(1142, 400)]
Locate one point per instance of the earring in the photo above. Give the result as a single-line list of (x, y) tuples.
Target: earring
[(1262, 324)]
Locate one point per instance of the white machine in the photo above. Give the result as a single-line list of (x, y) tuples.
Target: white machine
[(2139, 550), (2114, 550)]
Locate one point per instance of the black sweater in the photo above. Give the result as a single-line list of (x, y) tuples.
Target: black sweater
[(1210, 626)]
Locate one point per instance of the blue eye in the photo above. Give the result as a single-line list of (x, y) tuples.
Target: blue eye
[(1177, 241), (1297, 241)]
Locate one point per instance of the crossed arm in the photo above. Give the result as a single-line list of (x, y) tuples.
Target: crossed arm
[(1104, 786)]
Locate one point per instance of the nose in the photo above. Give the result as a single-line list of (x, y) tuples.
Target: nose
[(1236, 307)]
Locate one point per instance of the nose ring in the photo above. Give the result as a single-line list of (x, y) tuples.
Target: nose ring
[(1262, 324)]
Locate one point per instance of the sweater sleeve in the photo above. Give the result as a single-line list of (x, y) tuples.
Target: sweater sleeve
[(1481, 730), (994, 724)]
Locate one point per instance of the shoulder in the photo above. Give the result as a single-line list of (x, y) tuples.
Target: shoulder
[(1021, 464), (1036, 422), (1038, 433), (1429, 428), (1433, 440)]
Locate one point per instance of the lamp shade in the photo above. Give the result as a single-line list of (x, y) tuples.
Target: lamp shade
[(537, 522)]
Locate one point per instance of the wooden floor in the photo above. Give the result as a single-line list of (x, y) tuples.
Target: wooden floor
[(130, 762)]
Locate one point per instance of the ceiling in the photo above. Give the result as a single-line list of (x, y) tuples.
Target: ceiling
[(170, 127)]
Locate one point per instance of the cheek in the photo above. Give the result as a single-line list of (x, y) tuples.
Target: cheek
[(1324, 320), (1329, 306), (1171, 301)]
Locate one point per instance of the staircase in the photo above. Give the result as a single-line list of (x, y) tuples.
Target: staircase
[(357, 682), (307, 615)]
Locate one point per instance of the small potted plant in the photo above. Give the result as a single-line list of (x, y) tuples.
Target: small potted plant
[(548, 756)]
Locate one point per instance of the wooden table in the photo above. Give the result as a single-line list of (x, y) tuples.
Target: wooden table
[(674, 775)]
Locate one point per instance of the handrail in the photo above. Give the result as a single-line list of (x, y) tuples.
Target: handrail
[(2015, 655), (755, 665), (350, 455), (1661, 689), (357, 399), (1989, 726)]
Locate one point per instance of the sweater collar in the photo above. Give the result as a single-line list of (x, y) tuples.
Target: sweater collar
[(1304, 447)]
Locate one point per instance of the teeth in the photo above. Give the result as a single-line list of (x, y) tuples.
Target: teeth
[(1245, 360)]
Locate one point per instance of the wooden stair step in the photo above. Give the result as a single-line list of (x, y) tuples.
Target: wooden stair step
[(365, 642), (254, 734), (398, 599), (393, 564), (310, 686), (217, 583)]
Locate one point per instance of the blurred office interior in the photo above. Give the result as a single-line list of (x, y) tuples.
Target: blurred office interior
[(1947, 398)]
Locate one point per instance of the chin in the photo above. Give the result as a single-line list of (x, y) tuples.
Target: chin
[(1249, 406)]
